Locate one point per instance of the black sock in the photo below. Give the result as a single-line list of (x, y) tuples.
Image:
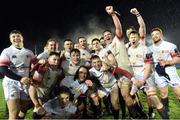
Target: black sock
[(116, 114), (163, 113), (122, 105), (165, 102), (150, 111)]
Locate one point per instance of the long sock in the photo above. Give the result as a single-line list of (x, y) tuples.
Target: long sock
[(116, 114), (165, 102), (97, 111), (142, 114), (132, 113), (36, 116), (163, 113), (107, 104), (122, 105), (150, 111), (20, 117)]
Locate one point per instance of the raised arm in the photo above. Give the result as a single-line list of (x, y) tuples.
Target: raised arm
[(142, 27), (118, 27)]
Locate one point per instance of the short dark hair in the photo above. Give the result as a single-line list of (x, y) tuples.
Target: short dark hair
[(53, 53), (68, 40), (15, 32), (131, 27), (94, 57), (64, 89), (74, 50), (51, 40), (80, 38), (156, 29), (106, 31), (134, 32), (95, 39)]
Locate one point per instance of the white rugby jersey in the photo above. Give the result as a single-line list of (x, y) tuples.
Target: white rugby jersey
[(54, 109), (43, 55), (104, 52), (76, 88), (85, 54), (164, 52), (136, 56), (18, 60), (106, 79), (70, 68), (115, 47)]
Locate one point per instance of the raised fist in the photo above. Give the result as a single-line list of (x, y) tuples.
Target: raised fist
[(109, 10), (134, 11)]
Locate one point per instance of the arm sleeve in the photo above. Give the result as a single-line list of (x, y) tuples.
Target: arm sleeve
[(118, 70), (6, 72)]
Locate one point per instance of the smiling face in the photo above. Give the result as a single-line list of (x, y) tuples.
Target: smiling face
[(107, 37), (75, 57), (51, 46), (82, 43), (16, 40), (83, 74), (156, 36), (96, 63)]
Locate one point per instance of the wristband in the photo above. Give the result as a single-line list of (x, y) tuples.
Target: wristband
[(137, 15)]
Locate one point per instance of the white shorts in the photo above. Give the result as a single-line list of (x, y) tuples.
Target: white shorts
[(14, 90), (150, 82), (161, 81)]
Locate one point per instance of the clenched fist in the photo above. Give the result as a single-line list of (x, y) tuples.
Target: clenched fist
[(109, 10), (134, 11)]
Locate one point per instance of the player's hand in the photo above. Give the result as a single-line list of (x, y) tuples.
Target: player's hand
[(39, 110), (105, 67), (26, 80), (162, 63), (134, 11), (138, 83), (109, 10), (89, 83), (62, 53), (42, 61)]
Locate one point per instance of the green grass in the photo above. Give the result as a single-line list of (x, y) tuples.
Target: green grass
[(174, 105)]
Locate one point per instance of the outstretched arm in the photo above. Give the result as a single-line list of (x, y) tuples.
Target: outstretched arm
[(117, 23), (142, 27)]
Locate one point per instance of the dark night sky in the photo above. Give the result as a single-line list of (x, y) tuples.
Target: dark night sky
[(39, 20)]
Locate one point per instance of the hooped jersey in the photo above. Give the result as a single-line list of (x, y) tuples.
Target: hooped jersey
[(17, 60), (165, 51)]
